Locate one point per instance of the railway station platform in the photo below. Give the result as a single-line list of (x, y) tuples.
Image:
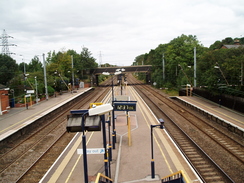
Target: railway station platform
[(131, 158), (222, 115), (18, 116), (130, 162)]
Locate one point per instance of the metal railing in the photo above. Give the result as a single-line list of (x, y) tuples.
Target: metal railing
[(103, 179), (180, 176)]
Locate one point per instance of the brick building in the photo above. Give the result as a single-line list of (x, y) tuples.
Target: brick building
[(4, 99)]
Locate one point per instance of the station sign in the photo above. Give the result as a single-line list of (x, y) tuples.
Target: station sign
[(125, 106), (30, 91), (92, 151)]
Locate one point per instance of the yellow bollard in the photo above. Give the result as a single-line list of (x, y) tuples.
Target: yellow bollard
[(129, 130)]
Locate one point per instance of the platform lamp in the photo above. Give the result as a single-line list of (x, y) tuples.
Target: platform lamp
[(76, 123), (218, 67), (120, 70), (113, 121), (161, 126), (101, 110), (219, 88)]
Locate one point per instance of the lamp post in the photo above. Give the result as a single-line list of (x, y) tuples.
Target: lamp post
[(73, 80), (241, 73), (109, 137), (185, 74), (70, 86), (113, 121), (26, 103), (84, 147), (101, 110), (55, 82), (219, 80), (161, 121), (23, 61), (45, 76), (105, 146), (36, 91), (218, 67), (120, 70), (190, 85)]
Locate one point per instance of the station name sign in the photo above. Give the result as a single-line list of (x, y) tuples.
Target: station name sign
[(92, 151), (125, 106)]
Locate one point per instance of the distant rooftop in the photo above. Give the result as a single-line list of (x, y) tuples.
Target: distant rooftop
[(235, 45), (232, 46)]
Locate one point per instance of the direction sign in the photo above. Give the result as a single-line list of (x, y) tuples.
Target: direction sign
[(92, 151)]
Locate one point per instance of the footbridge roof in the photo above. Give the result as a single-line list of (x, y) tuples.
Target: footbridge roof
[(137, 68)]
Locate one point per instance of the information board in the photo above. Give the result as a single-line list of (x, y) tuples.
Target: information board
[(124, 106)]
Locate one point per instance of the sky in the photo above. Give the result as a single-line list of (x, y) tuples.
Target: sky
[(114, 31)]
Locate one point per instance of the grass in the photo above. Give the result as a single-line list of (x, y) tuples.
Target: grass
[(171, 92)]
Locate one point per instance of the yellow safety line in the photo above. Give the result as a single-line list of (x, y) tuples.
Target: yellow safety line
[(163, 154), (167, 146), (217, 111), (66, 160), (78, 160), (148, 124)]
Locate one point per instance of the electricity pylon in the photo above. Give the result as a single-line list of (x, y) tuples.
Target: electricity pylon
[(5, 45)]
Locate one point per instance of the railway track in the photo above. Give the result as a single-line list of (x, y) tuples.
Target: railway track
[(194, 142), (197, 139), (28, 159)]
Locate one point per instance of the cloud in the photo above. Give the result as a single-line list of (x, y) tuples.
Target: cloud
[(120, 30)]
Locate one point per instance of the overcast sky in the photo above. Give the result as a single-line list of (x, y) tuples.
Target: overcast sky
[(115, 31)]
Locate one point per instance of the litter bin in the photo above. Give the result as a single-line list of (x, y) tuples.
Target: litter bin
[(12, 103)]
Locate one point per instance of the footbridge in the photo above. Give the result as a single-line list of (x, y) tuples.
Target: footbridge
[(127, 69), (138, 68)]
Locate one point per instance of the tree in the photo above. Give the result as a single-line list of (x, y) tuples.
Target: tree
[(86, 59), (85, 62), (178, 51), (228, 62), (60, 63), (59, 66), (139, 60), (228, 40), (35, 65), (216, 45), (8, 69)]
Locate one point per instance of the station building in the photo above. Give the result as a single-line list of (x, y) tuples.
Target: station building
[(4, 99)]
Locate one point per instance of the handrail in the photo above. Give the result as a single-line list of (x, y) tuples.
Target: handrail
[(99, 176), (181, 172)]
